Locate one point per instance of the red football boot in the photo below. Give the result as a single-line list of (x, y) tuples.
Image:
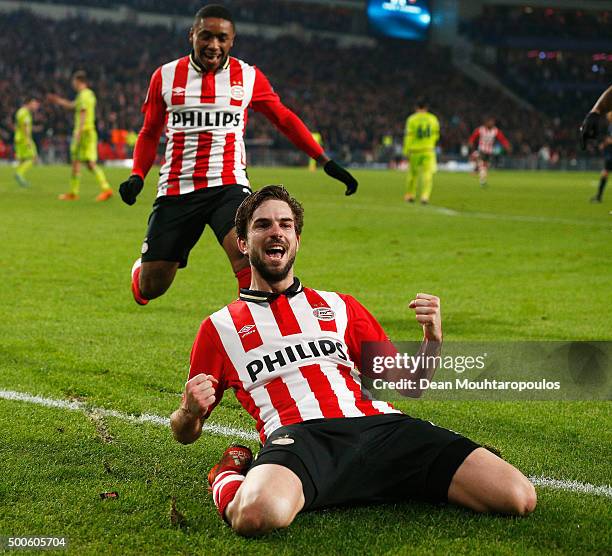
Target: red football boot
[(135, 288), (235, 458)]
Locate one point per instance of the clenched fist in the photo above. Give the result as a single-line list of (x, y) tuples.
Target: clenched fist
[(199, 394), (427, 312)]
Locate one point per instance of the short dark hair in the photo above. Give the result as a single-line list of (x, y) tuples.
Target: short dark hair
[(267, 193), (80, 75), (421, 102), (215, 10)]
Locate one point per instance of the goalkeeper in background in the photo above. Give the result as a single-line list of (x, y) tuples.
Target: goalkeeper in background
[(422, 134), (84, 143), (25, 148)]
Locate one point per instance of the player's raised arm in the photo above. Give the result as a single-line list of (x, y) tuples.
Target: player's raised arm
[(204, 387), (266, 101), (365, 333), (198, 397), (474, 137), (426, 308), (503, 140), (61, 101), (145, 150), (595, 124)]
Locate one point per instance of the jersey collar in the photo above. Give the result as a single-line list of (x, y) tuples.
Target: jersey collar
[(199, 68), (262, 297)]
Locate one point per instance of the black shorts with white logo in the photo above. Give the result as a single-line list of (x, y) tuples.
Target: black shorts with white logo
[(368, 460), (177, 221)]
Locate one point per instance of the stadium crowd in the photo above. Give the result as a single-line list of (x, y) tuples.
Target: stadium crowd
[(353, 96), (559, 60), (498, 22), (271, 12), (558, 83)]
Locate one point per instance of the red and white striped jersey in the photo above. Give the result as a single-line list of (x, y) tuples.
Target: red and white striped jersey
[(486, 138), (290, 358), (205, 115)]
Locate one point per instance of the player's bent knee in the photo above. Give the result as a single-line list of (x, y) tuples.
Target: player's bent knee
[(523, 497), (262, 514), (154, 281)]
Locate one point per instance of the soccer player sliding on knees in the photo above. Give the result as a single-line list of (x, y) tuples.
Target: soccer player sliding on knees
[(203, 99), (292, 356)]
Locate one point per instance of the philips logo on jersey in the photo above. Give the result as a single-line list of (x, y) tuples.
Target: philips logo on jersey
[(199, 118), (297, 352)]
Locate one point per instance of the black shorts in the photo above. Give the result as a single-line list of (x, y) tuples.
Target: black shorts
[(608, 164), (485, 157), (367, 460), (177, 221)]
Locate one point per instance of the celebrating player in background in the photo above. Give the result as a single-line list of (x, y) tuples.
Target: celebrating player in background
[(292, 355), (25, 148), (486, 135), (84, 143), (203, 99), (422, 134), (595, 124)]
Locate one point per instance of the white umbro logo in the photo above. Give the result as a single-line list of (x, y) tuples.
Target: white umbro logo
[(178, 90), (246, 329)]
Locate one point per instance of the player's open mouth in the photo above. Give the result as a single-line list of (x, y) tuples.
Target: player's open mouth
[(212, 57), (275, 251)]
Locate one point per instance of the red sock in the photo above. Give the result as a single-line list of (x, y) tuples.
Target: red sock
[(136, 287), (244, 277), (224, 489)]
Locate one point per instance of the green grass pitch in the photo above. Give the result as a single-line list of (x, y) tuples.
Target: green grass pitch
[(527, 258)]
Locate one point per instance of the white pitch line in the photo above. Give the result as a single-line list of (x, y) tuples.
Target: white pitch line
[(573, 486), (445, 211), (569, 486), (144, 418), (512, 217)]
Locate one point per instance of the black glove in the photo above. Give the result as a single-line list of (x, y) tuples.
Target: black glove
[(130, 189), (593, 127), (337, 172)]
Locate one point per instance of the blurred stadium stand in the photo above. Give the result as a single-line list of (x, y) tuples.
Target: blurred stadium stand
[(558, 59), (353, 88)]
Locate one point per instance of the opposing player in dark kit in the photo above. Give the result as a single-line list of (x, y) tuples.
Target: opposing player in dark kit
[(597, 125)]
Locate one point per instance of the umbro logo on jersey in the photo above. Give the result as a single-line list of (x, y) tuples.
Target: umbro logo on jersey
[(324, 313), (178, 90), (246, 329)]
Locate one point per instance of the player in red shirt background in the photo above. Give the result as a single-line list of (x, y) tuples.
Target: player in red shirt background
[(202, 101), (484, 138), (292, 356)]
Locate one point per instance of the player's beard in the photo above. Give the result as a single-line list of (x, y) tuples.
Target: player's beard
[(271, 275)]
